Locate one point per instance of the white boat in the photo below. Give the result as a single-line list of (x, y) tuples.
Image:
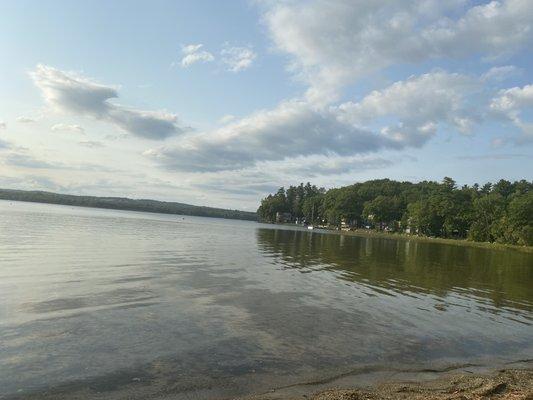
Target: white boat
[(310, 227)]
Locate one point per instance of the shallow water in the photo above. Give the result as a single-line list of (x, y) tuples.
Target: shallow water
[(103, 299)]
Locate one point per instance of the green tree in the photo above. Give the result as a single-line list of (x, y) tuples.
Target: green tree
[(424, 219), (503, 188), (520, 219), (383, 209), (312, 208), (488, 210), (273, 204), (501, 212), (343, 203)]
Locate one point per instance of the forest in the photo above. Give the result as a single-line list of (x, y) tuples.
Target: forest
[(122, 203), (501, 212)]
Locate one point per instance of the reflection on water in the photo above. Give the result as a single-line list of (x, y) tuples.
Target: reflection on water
[(105, 300), (498, 280)]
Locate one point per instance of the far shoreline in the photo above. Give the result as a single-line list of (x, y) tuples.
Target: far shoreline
[(369, 233), (403, 236)]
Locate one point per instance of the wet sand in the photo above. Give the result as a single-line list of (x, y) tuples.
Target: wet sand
[(452, 383), (505, 384)]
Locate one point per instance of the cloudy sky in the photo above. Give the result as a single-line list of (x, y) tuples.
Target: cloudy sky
[(218, 103)]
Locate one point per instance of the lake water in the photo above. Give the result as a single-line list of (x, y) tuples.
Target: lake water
[(164, 305)]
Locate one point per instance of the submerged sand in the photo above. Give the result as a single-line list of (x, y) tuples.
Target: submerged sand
[(506, 384), (452, 384)]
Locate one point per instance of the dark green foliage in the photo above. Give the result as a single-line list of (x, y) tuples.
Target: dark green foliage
[(424, 218), (119, 203), (301, 201), (488, 211), (500, 212), (312, 208), (520, 218), (383, 209), (343, 203), (273, 204)]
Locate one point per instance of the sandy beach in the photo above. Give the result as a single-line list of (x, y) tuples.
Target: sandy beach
[(505, 384)]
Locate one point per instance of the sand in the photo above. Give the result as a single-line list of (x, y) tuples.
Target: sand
[(506, 384)]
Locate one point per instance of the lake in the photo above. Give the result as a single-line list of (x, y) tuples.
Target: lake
[(164, 305)]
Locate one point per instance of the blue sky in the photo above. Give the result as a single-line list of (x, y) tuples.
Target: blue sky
[(218, 103)]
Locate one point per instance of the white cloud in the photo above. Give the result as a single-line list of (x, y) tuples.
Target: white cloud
[(237, 59), (193, 54), (314, 166), (498, 74), (365, 37), (33, 182), (420, 102), (226, 119), (3, 125), (405, 114), (191, 48), (330, 44), (497, 142), (250, 182), (25, 120), (4, 145), (67, 128), (75, 94), (202, 56), (21, 159), (511, 103), (513, 99), (267, 177), (491, 157), (292, 129), (91, 144), (334, 42)]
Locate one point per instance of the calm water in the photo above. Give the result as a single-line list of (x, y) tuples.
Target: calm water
[(105, 299)]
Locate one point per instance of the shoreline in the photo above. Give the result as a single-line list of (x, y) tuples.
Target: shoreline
[(125, 204), (483, 378), (505, 384), (466, 382), (404, 236), (457, 242), (456, 384)]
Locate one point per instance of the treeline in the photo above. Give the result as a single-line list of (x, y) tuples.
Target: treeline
[(500, 212), (120, 203)]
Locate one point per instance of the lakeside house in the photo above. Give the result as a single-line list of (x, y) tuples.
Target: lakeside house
[(348, 225), (282, 217)]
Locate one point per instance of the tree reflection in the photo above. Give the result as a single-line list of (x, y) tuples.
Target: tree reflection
[(503, 276)]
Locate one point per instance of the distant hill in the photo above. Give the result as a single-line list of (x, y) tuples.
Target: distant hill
[(122, 203)]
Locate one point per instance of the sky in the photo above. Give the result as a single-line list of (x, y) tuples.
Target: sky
[(219, 103)]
